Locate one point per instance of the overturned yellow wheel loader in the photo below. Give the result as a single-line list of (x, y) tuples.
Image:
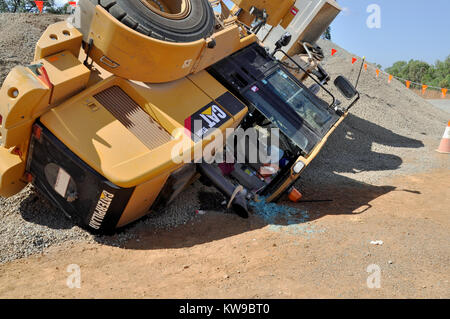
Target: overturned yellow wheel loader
[(118, 111)]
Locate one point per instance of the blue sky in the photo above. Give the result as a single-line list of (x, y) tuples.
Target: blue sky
[(410, 29)]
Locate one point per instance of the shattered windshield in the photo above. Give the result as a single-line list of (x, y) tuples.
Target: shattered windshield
[(291, 93), (289, 106), (284, 118)]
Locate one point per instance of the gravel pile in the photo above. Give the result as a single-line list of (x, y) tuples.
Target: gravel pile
[(391, 130), (389, 125), (28, 225), (19, 33)]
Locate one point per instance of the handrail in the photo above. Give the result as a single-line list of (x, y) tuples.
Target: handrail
[(309, 75), (332, 106)]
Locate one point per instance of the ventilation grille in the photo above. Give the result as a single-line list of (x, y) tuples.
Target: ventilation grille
[(133, 117)]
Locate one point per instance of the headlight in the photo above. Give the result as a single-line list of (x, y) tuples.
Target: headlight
[(298, 167)]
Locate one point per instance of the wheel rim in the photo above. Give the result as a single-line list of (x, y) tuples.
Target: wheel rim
[(171, 9)]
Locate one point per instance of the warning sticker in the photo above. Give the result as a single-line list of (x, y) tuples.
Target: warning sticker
[(202, 123), (62, 182)]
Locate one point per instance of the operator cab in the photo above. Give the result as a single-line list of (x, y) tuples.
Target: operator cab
[(276, 99), (274, 93)]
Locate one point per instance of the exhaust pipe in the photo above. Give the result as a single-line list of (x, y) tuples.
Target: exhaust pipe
[(239, 204)]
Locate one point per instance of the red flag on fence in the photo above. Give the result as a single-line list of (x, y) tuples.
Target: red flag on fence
[(39, 5), (444, 93), (424, 88), (365, 66), (354, 60), (390, 78), (333, 52), (378, 72), (408, 84), (73, 3)]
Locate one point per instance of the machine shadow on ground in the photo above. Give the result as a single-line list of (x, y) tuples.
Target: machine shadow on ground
[(350, 150), (284, 217), (325, 191), (47, 215)]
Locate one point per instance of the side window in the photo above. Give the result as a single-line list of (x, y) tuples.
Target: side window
[(298, 99), (291, 127)]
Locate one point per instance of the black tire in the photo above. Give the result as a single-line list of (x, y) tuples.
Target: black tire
[(197, 24)]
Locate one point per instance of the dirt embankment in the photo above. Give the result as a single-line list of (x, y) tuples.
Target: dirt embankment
[(390, 131), (19, 33)]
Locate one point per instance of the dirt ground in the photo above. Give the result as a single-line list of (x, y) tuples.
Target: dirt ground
[(442, 104), (324, 253)]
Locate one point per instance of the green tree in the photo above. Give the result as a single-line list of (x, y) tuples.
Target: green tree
[(3, 7), (445, 83), (398, 69), (437, 75)]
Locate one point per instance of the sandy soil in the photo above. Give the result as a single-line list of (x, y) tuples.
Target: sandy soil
[(442, 104), (322, 251)]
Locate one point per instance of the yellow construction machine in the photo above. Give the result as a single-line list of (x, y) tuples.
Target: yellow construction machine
[(114, 116)]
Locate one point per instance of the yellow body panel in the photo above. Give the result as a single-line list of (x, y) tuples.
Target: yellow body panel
[(19, 112), (227, 42), (134, 56), (67, 75), (58, 37), (99, 139), (206, 82), (12, 168), (142, 199), (23, 98), (173, 102), (288, 18)]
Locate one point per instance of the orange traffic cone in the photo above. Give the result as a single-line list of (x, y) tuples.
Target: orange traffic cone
[(444, 147), (294, 195)]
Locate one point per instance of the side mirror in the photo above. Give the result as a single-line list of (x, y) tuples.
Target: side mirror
[(285, 39), (345, 87), (282, 42)]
